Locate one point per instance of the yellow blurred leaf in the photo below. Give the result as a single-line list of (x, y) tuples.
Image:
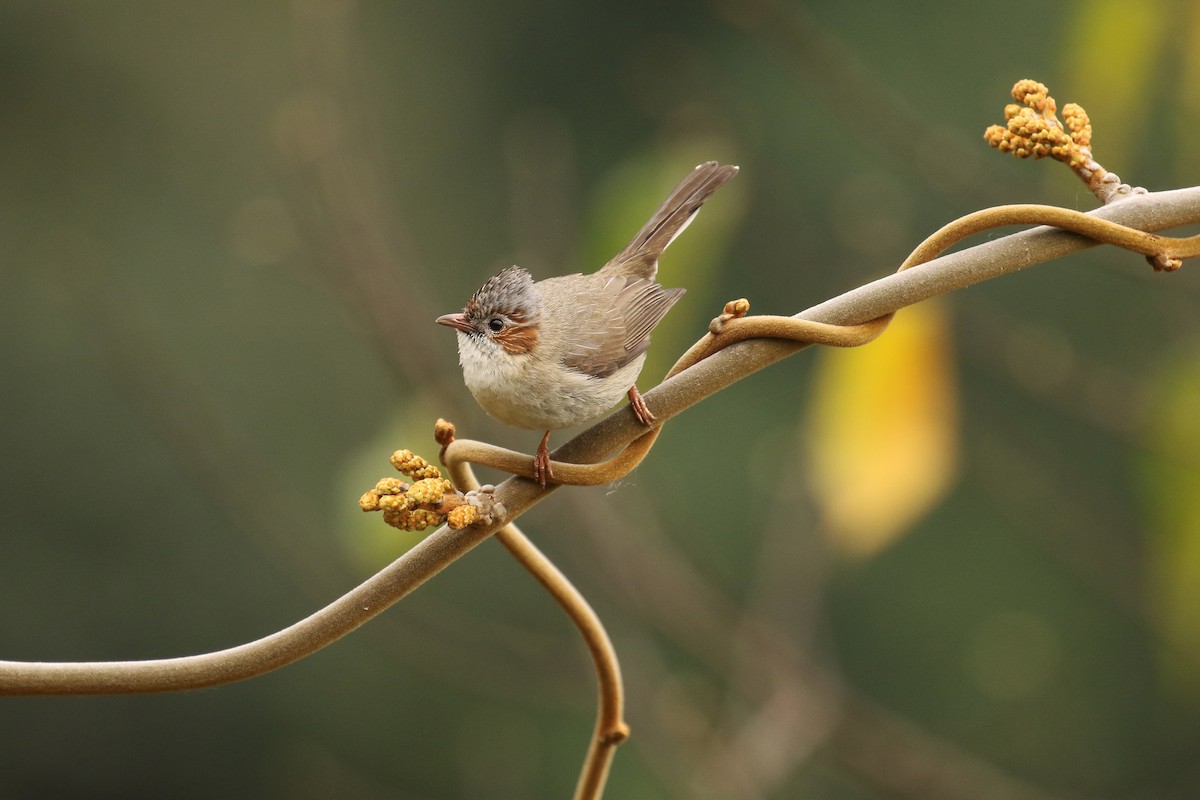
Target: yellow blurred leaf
[(1170, 472), (882, 431)]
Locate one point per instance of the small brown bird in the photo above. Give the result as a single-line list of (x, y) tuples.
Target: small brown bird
[(554, 353)]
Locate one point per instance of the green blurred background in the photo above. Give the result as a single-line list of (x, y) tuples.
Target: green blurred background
[(963, 566)]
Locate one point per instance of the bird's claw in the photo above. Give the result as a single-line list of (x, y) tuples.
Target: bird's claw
[(640, 410), (542, 471)]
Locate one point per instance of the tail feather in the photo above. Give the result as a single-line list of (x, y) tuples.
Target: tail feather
[(640, 257)]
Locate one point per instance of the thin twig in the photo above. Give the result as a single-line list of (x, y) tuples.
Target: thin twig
[(611, 728)]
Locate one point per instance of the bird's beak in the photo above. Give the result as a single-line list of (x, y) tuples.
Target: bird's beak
[(456, 321)]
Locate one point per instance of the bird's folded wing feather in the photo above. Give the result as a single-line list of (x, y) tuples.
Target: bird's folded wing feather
[(617, 330)]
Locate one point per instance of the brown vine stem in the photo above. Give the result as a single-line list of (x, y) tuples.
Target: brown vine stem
[(611, 728), (1163, 253), (1152, 212)]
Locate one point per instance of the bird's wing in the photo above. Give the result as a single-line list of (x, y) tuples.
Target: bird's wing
[(615, 330)]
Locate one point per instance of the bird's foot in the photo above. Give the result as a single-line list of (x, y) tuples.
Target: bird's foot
[(639, 407), (541, 463)]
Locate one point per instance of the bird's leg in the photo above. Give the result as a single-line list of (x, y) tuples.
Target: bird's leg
[(639, 407), (541, 463)]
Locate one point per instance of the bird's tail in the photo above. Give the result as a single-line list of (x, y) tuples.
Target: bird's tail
[(639, 258)]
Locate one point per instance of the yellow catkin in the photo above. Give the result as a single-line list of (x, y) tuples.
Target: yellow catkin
[(1078, 122), (429, 501), (429, 491), (394, 502), (462, 516), (412, 465), (1033, 129), (422, 518), (390, 486)]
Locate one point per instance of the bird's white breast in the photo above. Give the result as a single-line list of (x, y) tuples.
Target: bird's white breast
[(533, 391)]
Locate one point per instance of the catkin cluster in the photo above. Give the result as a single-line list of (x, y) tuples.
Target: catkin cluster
[(1032, 129), (429, 500)]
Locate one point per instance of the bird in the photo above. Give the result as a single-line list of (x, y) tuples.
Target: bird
[(554, 353)]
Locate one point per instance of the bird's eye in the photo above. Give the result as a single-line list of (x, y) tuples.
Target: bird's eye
[(495, 324)]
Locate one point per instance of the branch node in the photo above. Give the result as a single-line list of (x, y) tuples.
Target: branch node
[(443, 434), (1164, 263), (616, 736), (734, 309)]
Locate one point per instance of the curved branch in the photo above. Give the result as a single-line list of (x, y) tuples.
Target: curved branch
[(252, 659), (1152, 212)]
